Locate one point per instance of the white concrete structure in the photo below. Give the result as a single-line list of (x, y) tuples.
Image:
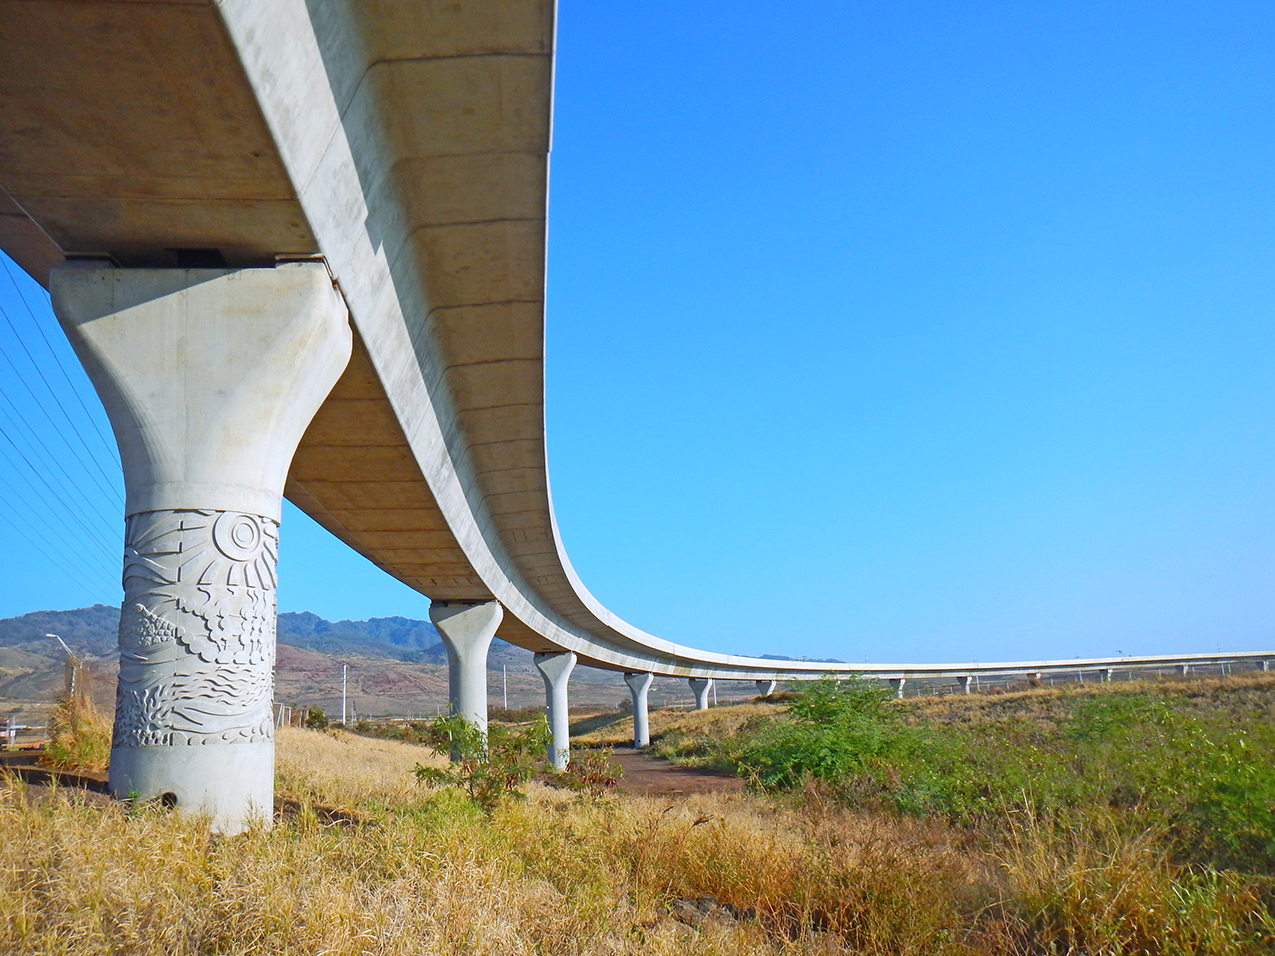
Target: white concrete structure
[(406, 146), (896, 685), (209, 378), (639, 686), (467, 630), (700, 686), (555, 669)]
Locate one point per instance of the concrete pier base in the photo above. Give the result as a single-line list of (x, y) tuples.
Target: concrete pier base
[(210, 378), (766, 687), (964, 684), (700, 686), (555, 669), (467, 630), (896, 685), (639, 685)]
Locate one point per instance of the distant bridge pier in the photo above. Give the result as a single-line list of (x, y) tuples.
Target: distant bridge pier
[(556, 669), (700, 687), (896, 684), (639, 685), (1266, 666), (766, 687), (467, 630), (1108, 674), (210, 377), (964, 683)]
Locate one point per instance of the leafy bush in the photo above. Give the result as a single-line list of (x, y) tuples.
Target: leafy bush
[(1203, 779), (488, 767)]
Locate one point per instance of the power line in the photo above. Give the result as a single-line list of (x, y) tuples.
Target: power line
[(56, 401), (108, 443), (71, 554), (67, 567), (53, 491), (52, 461)]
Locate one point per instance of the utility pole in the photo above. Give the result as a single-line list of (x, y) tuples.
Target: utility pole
[(344, 669)]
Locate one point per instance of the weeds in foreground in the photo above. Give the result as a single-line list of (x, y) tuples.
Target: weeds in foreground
[(492, 766), (423, 870), (79, 737)]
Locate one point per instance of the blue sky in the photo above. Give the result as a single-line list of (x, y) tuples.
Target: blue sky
[(894, 331)]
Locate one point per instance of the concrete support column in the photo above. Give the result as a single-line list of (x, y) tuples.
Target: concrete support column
[(467, 630), (896, 684), (639, 685), (210, 377), (700, 687), (1266, 666), (555, 669), (964, 684), (766, 687), (1184, 669), (1107, 674)]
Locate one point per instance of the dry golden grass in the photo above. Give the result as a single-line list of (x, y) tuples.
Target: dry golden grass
[(561, 874), (341, 769), (618, 731)]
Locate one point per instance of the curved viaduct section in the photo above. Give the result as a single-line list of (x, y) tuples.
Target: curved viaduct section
[(406, 144)]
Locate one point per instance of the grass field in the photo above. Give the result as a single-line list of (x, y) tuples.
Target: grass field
[(365, 859)]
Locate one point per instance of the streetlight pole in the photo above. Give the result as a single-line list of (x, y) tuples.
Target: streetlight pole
[(344, 669), (71, 669)]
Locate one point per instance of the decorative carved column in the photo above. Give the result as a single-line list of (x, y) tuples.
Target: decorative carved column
[(209, 377)]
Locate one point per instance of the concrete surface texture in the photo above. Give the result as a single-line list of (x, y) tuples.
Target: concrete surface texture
[(407, 144), (209, 378), (639, 687), (556, 670), (467, 630), (700, 686)]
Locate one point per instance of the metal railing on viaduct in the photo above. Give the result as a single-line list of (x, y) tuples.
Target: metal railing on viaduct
[(300, 250)]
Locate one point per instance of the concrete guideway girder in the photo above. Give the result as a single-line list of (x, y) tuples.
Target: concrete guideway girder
[(432, 217), (209, 378)]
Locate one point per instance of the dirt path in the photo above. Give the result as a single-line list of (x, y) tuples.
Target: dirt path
[(653, 776)]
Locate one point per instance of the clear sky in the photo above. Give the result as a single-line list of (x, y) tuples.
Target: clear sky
[(894, 331)]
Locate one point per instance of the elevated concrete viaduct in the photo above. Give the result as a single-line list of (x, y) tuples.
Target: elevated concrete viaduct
[(170, 168)]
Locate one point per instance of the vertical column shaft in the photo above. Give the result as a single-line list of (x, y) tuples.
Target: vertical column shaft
[(896, 684), (210, 377), (700, 687), (555, 669), (467, 630), (639, 685), (964, 684), (766, 687)]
